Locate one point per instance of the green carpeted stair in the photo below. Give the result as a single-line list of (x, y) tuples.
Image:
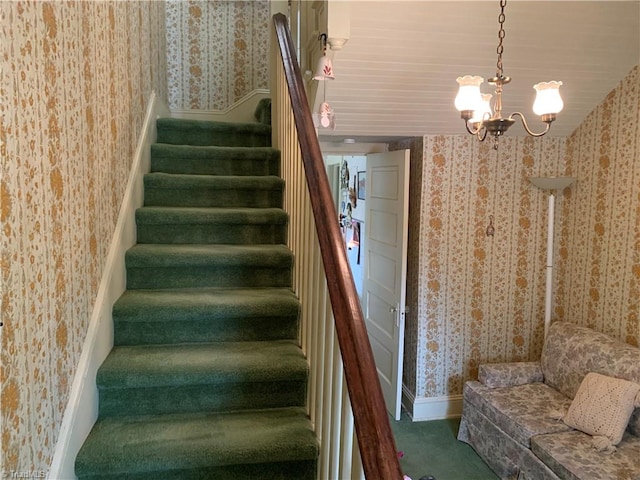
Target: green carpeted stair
[(206, 379)]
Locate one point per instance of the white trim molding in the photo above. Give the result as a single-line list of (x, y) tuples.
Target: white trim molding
[(241, 111), (82, 409), (431, 408)]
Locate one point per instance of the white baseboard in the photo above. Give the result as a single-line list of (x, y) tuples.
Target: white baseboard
[(241, 111), (82, 409), (431, 408)]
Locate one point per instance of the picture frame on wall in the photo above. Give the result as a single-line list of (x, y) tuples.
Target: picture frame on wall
[(362, 185)]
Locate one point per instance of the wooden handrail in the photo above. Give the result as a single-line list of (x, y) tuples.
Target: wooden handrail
[(375, 438)]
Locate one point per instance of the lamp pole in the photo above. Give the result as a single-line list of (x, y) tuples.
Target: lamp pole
[(552, 185)]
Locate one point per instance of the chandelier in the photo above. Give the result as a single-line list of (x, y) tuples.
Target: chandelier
[(475, 107)]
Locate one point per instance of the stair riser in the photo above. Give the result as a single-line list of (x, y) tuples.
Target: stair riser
[(301, 470), (202, 445), (201, 398), (192, 277), (204, 166), (213, 233), (207, 137), (205, 330), (204, 197)]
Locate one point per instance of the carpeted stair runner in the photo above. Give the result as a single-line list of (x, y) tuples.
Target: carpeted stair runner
[(211, 225), (176, 131), (215, 160), (206, 379)]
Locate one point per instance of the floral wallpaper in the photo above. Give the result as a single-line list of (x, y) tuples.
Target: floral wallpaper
[(600, 231), (478, 293), (217, 51), (480, 298), (75, 80)]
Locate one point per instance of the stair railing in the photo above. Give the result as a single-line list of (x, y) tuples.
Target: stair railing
[(325, 286)]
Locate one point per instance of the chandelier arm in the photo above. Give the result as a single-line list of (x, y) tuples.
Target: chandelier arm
[(526, 127), (482, 133), (471, 130)]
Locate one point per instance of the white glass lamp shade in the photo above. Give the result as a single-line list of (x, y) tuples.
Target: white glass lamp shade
[(469, 97), (325, 118), (324, 70), (548, 99), (326, 113), (484, 112), (552, 183)]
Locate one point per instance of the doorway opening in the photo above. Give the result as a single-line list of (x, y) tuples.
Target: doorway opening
[(371, 195)]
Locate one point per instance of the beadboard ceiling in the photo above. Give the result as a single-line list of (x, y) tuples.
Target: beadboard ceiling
[(395, 78)]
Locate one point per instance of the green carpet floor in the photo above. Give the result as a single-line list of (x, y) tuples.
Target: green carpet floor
[(206, 379), (431, 448)]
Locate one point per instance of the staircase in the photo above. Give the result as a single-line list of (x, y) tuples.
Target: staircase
[(206, 379)]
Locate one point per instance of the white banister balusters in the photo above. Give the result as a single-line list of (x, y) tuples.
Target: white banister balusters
[(328, 402)]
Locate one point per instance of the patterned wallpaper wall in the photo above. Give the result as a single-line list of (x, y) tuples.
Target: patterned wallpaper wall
[(600, 233), (217, 51), (479, 298), (75, 82), (478, 294)]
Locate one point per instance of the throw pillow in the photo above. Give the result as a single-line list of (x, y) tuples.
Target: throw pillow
[(602, 406)]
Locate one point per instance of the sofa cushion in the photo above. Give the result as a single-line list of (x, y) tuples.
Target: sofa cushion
[(509, 374), (603, 406), (571, 351), (521, 411), (571, 457)]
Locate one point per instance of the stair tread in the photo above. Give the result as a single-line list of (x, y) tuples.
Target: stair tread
[(214, 160), (160, 215), (185, 124), (161, 150), (166, 304), (142, 366), (217, 314), (182, 441), (189, 180), (171, 255), (203, 132)]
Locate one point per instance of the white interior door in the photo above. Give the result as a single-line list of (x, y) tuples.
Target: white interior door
[(385, 269)]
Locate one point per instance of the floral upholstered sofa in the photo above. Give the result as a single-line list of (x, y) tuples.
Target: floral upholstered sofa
[(528, 420)]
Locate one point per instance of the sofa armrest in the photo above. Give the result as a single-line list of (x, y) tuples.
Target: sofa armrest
[(495, 375)]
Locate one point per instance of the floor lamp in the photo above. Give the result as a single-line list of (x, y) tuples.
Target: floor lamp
[(553, 185)]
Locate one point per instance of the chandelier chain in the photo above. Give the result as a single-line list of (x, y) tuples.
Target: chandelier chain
[(501, 34)]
